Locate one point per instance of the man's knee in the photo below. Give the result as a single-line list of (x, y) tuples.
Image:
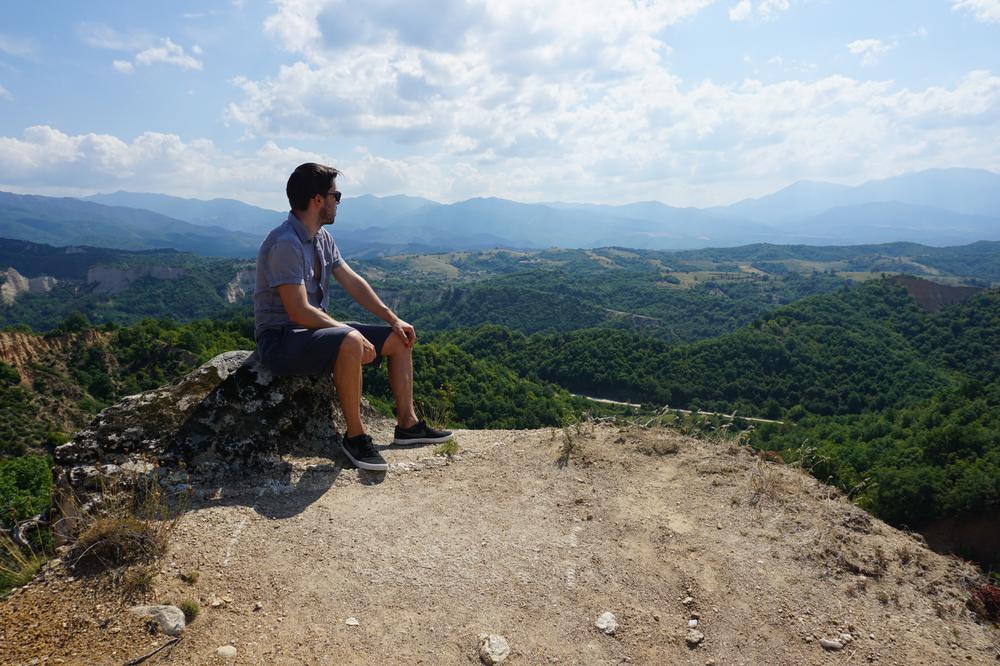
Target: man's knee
[(394, 345), (351, 348)]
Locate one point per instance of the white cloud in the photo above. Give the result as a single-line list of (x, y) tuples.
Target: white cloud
[(169, 53), (5, 94), (570, 100), (148, 49), (740, 10), (765, 10), (870, 50), (648, 140), (987, 11)]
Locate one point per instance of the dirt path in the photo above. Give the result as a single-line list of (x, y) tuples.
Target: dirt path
[(505, 540)]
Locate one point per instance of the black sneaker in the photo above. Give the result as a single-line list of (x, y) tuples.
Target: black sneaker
[(362, 453), (420, 433)]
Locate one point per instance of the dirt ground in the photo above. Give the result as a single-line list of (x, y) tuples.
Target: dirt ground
[(531, 535)]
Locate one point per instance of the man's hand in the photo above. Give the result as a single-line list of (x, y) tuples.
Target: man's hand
[(405, 331)]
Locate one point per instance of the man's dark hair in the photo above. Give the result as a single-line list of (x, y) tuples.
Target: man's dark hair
[(307, 181)]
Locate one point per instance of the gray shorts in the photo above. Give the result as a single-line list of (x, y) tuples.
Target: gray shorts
[(292, 350)]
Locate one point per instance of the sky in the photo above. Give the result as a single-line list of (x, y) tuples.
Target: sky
[(688, 102)]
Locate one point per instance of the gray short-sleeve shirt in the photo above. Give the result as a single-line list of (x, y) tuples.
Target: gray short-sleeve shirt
[(289, 256)]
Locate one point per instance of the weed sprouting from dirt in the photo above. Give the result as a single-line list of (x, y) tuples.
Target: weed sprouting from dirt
[(447, 449), (190, 610), (572, 433)]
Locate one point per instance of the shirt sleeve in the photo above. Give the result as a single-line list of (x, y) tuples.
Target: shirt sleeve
[(284, 265), (336, 259)]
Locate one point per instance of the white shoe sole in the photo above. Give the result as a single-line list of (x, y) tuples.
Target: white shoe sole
[(360, 464), (421, 440)]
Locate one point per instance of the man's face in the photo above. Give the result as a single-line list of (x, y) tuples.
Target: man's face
[(328, 211)]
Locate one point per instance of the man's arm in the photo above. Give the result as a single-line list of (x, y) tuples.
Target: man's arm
[(293, 297), (359, 289)]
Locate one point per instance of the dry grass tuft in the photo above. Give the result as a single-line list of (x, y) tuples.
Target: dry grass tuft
[(766, 482), (122, 532), (113, 541), (17, 565)]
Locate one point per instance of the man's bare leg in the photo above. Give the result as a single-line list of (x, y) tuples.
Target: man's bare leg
[(400, 359), (347, 379)]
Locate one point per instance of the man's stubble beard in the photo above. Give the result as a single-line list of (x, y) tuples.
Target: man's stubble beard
[(328, 215)]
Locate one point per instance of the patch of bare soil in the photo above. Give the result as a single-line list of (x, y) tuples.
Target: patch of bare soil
[(532, 535)]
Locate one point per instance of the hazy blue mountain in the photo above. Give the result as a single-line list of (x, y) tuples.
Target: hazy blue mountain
[(693, 227), (891, 222), (68, 221), (226, 213), (935, 207), (798, 199), (970, 191), (371, 211)]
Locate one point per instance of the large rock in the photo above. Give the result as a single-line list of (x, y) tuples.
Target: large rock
[(170, 618), (224, 422)]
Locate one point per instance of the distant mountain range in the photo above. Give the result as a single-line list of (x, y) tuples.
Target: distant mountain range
[(935, 207)]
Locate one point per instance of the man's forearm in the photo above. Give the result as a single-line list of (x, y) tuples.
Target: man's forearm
[(312, 317), (366, 297)]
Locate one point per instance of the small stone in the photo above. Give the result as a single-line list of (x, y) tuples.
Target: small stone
[(871, 636), (493, 649), (846, 638), (694, 638), (831, 644), (692, 623), (170, 618), (215, 601), (688, 601), (352, 622), (257, 605), (695, 615), (656, 616), (718, 526), (607, 623), (227, 600), (226, 651)]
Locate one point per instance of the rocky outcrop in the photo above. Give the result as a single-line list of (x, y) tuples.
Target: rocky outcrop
[(241, 286), (15, 284), (112, 280), (224, 426)]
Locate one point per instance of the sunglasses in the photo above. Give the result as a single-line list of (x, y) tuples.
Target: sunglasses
[(335, 195)]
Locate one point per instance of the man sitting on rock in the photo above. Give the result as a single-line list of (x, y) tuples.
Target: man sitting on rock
[(296, 336)]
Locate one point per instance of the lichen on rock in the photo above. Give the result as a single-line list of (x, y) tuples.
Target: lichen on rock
[(224, 424)]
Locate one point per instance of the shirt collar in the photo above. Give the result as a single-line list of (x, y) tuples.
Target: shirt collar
[(300, 228)]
